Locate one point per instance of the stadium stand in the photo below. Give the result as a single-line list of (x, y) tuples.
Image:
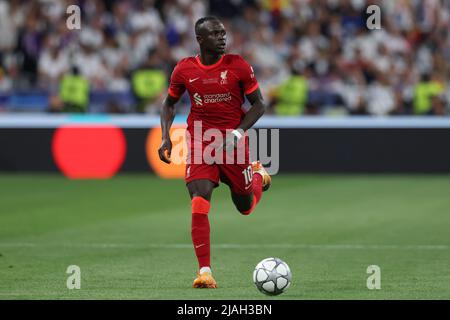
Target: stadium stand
[(322, 48)]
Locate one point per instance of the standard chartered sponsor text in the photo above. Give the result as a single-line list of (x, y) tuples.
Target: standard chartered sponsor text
[(218, 97)]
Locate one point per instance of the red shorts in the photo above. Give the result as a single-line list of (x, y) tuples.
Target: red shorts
[(237, 175)]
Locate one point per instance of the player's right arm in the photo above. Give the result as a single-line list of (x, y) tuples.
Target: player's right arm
[(176, 90), (167, 116)]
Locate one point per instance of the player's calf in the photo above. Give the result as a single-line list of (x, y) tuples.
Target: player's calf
[(250, 210), (200, 230), (261, 182), (243, 203)]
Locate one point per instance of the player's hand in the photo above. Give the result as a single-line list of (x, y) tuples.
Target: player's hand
[(231, 140), (165, 150)]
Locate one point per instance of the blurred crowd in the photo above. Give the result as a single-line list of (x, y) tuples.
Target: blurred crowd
[(310, 56)]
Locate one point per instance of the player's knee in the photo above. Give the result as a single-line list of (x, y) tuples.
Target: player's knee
[(245, 211), (245, 208), (243, 203), (200, 188), (200, 205)]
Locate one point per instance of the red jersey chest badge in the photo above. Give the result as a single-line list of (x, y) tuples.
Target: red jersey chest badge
[(223, 77)]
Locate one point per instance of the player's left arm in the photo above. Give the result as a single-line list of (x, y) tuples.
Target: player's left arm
[(256, 111), (251, 89)]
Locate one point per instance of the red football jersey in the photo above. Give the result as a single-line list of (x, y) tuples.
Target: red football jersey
[(216, 91)]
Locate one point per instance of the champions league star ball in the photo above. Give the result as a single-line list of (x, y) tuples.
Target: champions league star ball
[(272, 276)]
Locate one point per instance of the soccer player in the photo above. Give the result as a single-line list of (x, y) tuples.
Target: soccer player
[(216, 83)]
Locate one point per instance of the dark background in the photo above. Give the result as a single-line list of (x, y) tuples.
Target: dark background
[(343, 150)]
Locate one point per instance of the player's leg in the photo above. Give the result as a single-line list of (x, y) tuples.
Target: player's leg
[(201, 188), (242, 202), (200, 192), (201, 179), (261, 182), (247, 182)]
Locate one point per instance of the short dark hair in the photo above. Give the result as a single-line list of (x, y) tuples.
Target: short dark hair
[(203, 20)]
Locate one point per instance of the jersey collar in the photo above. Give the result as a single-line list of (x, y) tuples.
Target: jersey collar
[(207, 67)]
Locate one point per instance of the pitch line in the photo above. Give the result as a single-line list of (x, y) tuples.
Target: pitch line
[(225, 246)]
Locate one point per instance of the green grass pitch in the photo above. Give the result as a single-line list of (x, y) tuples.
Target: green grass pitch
[(131, 237)]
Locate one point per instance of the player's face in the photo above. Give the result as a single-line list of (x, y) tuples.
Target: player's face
[(214, 37)]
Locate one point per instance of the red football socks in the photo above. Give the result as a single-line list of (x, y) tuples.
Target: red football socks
[(200, 231), (257, 192), (257, 186)]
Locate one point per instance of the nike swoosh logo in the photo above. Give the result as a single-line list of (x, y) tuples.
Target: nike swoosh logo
[(192, 80), (200, 245), (247, 187)]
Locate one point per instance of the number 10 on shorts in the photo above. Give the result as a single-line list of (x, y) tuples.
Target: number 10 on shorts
[(248, 175)]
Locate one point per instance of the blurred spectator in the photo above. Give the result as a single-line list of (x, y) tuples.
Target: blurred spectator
[(149, 83), (291, 97), (380, 97), (8, 28), (428, 94), (5, 82), (91, 65), (53, 63), (74, 92)]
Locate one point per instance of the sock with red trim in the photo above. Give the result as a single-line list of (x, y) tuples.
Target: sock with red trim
[(257, 186), (200, 231), (257, 192)]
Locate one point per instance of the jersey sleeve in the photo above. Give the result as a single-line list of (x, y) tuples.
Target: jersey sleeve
[(176, 87), (247, 76)]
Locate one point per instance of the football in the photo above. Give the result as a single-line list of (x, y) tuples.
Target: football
[(272, 276)]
